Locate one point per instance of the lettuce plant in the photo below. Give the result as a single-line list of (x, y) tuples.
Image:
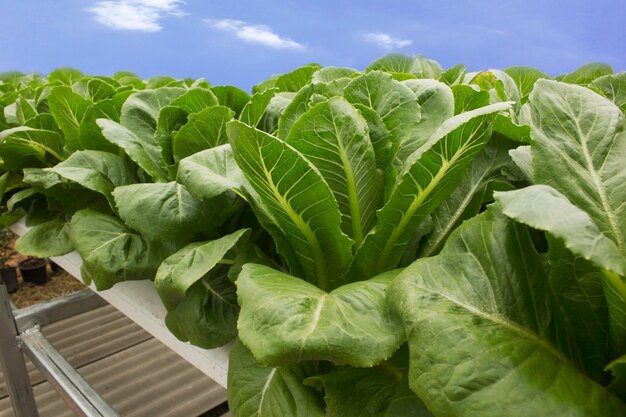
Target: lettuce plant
[(405, 240)]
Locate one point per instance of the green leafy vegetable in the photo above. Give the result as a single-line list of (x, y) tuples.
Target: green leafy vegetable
[(472, 339), (285, 319), (111, 252), (45, 240), (285, 180), (255, 390)]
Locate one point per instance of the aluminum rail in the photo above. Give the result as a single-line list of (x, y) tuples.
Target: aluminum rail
[(12, 361), (57, 309), (23, 335), (67, 382)]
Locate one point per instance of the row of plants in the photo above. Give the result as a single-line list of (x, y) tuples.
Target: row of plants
[(403, 240)]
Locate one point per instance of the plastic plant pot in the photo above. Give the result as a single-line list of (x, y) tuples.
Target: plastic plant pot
[(34, 271), (9, 277), (54, 267)]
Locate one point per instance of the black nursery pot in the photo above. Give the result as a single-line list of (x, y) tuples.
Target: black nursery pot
[(54, 267), (9, 276), (34, 270)]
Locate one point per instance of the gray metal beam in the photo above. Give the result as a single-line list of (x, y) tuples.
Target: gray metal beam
[(57, 309), (12, 361), (68, 383)]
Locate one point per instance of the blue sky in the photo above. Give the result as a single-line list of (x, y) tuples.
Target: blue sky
[(244, 42)]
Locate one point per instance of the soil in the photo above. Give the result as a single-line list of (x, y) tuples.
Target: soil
[(59, 283)]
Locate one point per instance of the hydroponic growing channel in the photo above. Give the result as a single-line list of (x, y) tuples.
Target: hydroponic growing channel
[(403, 240)]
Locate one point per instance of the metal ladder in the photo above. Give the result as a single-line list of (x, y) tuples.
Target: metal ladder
[(20, 333)]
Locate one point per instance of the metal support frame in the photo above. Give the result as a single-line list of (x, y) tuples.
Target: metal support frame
[(67, 382), (57, 309), (21, 333), (12, 361)]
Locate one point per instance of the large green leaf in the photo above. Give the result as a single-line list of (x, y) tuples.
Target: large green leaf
[(544, 208), (90, 135), (330, 74), (171, 119), (111, 252), (380, 391), (468, 98), (436, 102), (298, 198), (200, 299), (480, 333), (98, 171), (161, 81), (95, 89), (429, 177), (207, 316), (45, 240), (195, 100), (126, 78), (613, 87), (587, 73), (25, 110), (380, 137), (522, 157), (209, 173), (255, 390), (205, 129), (140, 112), (453, 75), (145, 153), (296, 79), (24, 147), (416, 65), (466, 199), (70, 195), (68, 109), (184, 268), (525, 79), (301, 103), (10, 113), (285, 319), (20, 199), (175, 115), (578, 288), (253, 111), (65, 75), (42, 179), (334, 137), (4, 183), (164, 211), (500, 86), (10, 217), (3, 121), (265, 85), (43, 121), (232, 97), (579, 150), (396, 104), (274, 111), (40, 211)]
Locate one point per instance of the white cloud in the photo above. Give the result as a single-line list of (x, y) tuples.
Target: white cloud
[(386, 41), (142, 15), (250, 33)]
